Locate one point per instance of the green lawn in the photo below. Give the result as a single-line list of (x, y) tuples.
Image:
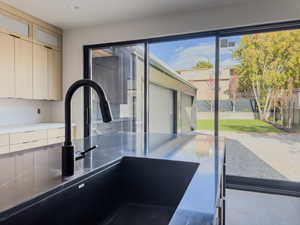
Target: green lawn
[(238, 126)]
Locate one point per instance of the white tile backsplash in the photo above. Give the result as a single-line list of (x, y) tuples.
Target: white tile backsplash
[(22, 111)]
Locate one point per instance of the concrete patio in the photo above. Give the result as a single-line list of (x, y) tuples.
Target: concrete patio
[(263, 155)]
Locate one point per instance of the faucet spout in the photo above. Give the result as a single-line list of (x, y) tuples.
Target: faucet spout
[(68, 148)]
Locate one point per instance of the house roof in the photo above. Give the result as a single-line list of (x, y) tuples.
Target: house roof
[(156, 62), (203, 74), (153, 60), (159, 64)]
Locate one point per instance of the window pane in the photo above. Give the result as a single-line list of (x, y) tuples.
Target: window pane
[(182, 77), (259, 112), (120, 71)]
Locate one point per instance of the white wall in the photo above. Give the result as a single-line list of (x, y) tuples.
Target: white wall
[(252, 12), (20, 111)]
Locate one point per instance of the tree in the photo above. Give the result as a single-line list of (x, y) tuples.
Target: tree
[(233, 89), (269, 63), (203, 65), (285, 101), (211, 91)]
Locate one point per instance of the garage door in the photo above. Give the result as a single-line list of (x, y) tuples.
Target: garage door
[(161, 107), (186, 113)]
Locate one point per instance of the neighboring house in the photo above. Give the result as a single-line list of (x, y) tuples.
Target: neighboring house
[(204, 80)]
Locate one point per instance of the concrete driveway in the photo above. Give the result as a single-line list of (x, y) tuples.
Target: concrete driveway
[(258, 155)]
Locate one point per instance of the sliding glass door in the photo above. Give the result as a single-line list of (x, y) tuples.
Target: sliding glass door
[(120, 71), (242, 83), (193, 61), (259, 104)]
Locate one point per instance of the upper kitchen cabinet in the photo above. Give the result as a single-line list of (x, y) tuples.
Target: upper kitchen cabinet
[(7, 74), (15, 26), (47, 79), (30, 56), (23, 68), (54, 74), (40, 75), (46, 37)]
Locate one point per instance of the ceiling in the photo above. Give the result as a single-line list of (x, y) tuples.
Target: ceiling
[(77, 13)]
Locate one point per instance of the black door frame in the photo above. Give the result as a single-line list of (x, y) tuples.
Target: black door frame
[(235, 182), (86, 93)]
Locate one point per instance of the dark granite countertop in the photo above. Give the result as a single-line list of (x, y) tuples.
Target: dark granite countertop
[(31, 175)]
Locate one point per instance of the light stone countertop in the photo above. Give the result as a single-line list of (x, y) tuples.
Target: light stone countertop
[(9, 129)]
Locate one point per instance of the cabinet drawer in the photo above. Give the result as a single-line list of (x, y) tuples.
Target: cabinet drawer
[(4, 149), (24, 137), (56, 140), (38, 143), (56, 132), (19, 147), (4, 139), (28, 145)]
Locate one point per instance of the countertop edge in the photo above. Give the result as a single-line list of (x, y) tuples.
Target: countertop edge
[(10, 129)]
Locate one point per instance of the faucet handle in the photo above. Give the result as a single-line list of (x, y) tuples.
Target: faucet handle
[(82, 154)]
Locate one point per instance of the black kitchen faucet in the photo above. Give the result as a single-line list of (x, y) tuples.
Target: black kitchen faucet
[(68, 148)]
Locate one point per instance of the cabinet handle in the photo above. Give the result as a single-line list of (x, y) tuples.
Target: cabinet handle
[(47, 47), (15, 36)]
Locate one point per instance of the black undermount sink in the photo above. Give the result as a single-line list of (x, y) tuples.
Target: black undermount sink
[(136, 191)]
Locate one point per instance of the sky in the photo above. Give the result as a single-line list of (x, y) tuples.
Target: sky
[(184, 54)]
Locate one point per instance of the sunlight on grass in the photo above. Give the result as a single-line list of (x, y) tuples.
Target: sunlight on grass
[(238, 126)]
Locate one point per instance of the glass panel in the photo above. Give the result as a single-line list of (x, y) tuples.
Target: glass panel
[(120, 71), (186, 113), (187, 67), (259, 114), (14, 26), (46, 37)]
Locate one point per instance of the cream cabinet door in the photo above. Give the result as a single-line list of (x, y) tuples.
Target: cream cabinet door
[(54, 74), (40, 76), (7, 75), (23, 68)]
